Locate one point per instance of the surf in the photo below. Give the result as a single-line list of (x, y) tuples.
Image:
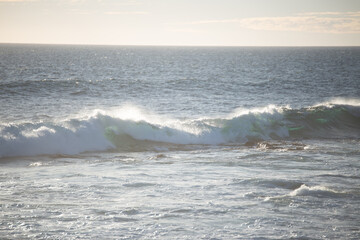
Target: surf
[(132, 128)]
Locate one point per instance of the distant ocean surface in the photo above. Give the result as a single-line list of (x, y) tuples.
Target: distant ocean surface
[(125, 142)]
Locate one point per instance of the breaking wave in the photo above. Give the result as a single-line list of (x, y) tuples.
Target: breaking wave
[(131, 129), (314, 191)]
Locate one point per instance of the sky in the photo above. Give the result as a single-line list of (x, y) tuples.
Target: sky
[(182, 22)]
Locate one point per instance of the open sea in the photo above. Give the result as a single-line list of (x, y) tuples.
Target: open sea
[(125, 142)]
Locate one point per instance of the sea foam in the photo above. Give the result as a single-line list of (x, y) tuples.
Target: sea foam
[(128, 128)]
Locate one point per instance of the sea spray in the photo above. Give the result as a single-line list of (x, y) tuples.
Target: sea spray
[(108, 130)]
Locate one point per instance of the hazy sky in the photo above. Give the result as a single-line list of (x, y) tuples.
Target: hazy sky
[(182, 22)]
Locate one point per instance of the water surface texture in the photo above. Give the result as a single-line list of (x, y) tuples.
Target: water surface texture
[(117, 142)]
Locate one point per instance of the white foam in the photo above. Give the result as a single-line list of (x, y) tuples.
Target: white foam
[(271, 109), (52, 138), (259, 123), (38, 132), (97, 131), (304, 190), (104, 129), (340, 101), (76, 135)]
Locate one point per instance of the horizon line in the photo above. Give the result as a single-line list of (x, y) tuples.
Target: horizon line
[(168, 45)]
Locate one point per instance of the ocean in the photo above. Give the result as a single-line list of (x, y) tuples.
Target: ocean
[(145, 142)]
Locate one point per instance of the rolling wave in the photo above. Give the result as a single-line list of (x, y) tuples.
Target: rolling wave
[(140, 131)]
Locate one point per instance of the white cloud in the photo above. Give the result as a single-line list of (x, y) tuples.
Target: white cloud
[(185, 30), (17, 1), (321, 22), (215, 21), (304, 24), (126, 13), (349, 14)]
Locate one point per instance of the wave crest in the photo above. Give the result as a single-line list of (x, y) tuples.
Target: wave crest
[(132, 129)]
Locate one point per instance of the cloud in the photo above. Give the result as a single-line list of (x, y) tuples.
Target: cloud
[(311, 22), (215, 21), (321, 22), (126, 13), (112, 2), (26, 1), (118, 2), (349, 14), (17, 1), (185, 30), (80, 11)]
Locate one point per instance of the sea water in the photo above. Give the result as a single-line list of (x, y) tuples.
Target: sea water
[(125, 142)]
